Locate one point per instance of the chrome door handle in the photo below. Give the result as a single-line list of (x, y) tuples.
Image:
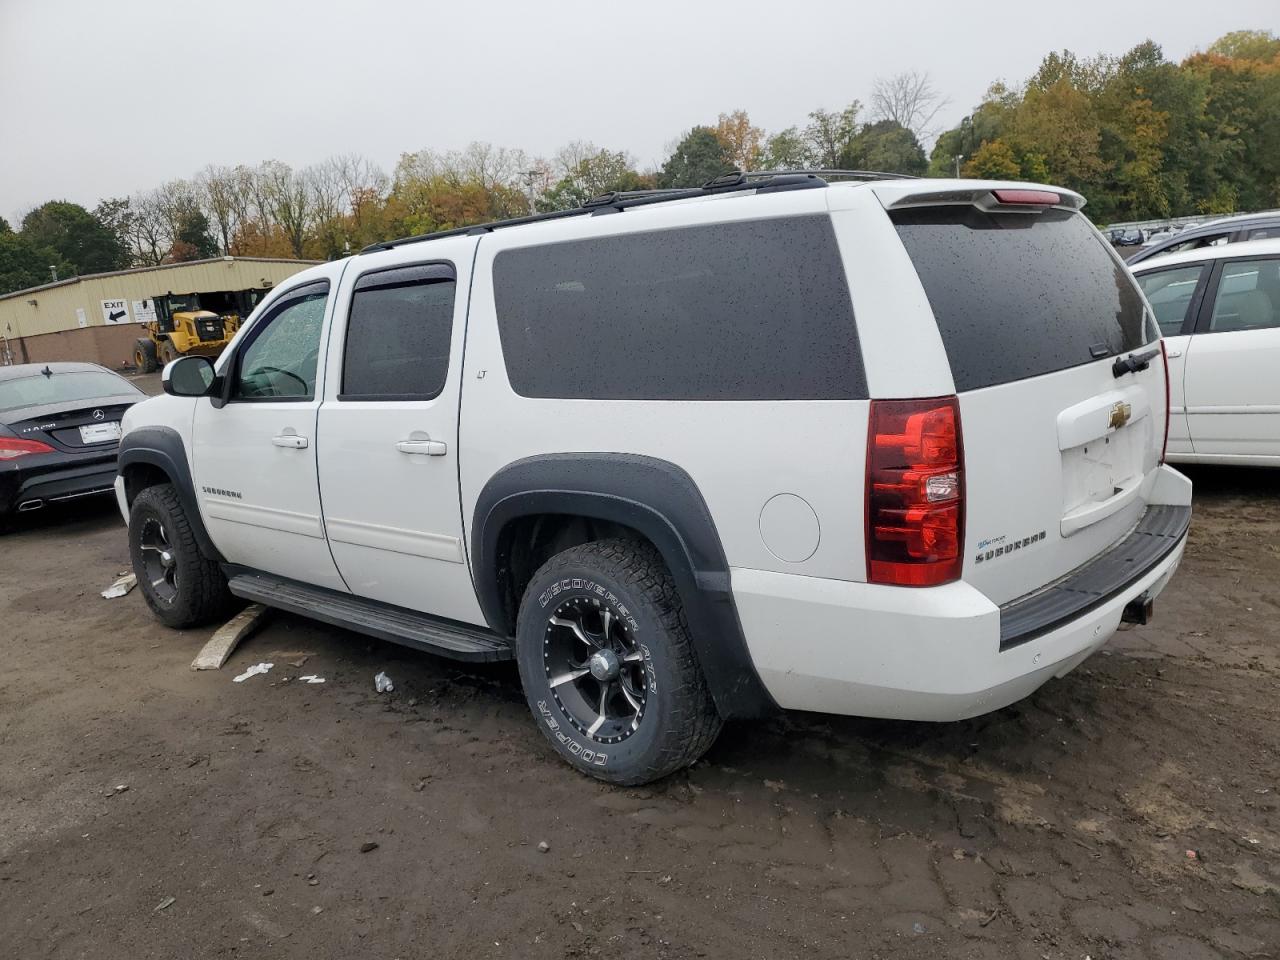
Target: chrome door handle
[(1173, 354), (423, 448), (290, 440)]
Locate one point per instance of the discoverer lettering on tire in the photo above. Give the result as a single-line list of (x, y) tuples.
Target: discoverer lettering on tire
[(607, 664)]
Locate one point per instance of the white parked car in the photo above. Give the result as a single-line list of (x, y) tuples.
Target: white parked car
[(1219, 310), (888, 448)]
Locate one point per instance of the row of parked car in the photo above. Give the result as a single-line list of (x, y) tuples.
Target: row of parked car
[(1176, 239), (888, 447)]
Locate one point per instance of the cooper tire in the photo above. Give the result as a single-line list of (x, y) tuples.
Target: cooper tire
[(642, 710), (182, 586)]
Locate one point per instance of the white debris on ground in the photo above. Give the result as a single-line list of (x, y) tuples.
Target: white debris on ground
[(311, 678), (256, 669), (382, 683), (120, 587)]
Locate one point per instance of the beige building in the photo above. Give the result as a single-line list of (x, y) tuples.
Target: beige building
[(96, 318)]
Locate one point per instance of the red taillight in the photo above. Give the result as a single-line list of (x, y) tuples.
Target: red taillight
[(915, 492), (11, 447), (1168, 402), (1039, 198)]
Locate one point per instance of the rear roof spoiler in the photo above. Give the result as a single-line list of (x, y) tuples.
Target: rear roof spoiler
[(1009, 197)]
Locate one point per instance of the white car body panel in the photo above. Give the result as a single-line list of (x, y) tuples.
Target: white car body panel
[(931, 654), (261, 502), (740, 453), (393, 518), (1225, 392), (351, 512)]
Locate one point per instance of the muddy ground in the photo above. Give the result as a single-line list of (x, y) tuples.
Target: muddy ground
[(1057, 828)]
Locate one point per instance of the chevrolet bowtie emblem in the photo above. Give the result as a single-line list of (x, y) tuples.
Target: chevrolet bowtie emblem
[(1120, 414)]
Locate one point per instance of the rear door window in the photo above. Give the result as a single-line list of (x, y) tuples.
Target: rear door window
[(747, 310), (1171, 293), (398, 334), (1248, 296), (1018, 295)]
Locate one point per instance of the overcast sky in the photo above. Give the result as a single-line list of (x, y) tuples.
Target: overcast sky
[(107, 98)]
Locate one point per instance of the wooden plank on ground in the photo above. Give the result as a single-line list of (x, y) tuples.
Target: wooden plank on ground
[(223, 643)]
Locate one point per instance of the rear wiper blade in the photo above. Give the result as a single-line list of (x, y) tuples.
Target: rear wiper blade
[(1133, 363)]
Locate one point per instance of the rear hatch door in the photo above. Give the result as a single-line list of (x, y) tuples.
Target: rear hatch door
[(1061, 444)]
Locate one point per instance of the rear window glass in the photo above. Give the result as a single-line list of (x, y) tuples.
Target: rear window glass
[(755, 310), (62, 388), (1018, 295)]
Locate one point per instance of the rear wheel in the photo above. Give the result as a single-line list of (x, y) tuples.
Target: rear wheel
[(144, 355), (181, 585), (608, 667)]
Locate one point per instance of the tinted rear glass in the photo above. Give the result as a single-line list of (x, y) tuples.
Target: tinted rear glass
[(38, 390), (1019, 295), (755, 310)]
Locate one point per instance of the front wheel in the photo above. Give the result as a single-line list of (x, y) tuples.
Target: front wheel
[(144, 355), (608, 667), (182, 586)]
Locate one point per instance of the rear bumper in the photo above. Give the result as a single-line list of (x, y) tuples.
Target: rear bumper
[(927, 654), (32, 486)]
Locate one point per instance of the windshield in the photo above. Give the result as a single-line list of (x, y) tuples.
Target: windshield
[(38, 390)]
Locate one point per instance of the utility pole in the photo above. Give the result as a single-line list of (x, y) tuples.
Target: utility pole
[(958, 158)]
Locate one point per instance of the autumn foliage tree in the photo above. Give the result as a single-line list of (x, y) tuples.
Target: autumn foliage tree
[(1141, 136)]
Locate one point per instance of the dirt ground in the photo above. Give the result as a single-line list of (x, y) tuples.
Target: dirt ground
[(1057, 828)]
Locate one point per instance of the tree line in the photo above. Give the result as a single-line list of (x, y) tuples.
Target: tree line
[(1140, 136)]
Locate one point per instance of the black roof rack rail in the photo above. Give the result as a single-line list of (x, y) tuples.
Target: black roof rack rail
[(761, 181), (826, 173)]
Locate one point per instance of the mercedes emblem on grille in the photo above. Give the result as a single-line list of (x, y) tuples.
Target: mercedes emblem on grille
[(99, 415)]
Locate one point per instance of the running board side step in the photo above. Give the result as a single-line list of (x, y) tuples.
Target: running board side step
[(444, 638)]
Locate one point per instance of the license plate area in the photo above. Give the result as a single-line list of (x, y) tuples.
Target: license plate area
[(92, 433), (1100, 477)]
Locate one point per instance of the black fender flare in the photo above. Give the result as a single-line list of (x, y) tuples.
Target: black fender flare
[(162, 448), (658, 500)]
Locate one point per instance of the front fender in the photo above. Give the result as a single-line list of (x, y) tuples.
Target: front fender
[(161, 448)]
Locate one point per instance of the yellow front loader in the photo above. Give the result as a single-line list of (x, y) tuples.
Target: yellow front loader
[(184, 326)]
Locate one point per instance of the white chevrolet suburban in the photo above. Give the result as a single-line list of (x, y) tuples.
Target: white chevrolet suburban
[(884, 447)]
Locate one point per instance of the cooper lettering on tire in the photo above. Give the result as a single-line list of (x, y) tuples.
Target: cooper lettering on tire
[(607, 664)]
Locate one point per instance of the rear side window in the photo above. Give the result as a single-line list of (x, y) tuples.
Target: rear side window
[(1170, 293), (1018, 295), (1197, 243), (1248, 296), (755, 310), (398, 334)]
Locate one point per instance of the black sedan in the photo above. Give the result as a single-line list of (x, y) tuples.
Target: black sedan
[(59, 432)]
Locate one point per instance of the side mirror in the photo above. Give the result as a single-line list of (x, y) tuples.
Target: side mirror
[(188, 377)]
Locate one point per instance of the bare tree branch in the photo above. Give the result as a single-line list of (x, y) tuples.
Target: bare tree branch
[(909, 99)]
